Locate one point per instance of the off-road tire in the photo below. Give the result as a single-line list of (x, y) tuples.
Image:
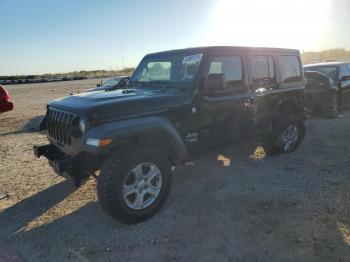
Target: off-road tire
[(111, 179), (271, 141), (331, 107)]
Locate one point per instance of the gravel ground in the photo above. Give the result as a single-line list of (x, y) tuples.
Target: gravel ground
[(232, 204)]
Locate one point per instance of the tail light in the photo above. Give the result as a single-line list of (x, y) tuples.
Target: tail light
[(4, 95), (5, 104), (7, 95)]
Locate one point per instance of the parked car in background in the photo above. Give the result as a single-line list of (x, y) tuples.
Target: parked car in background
[(113, 83), (5, 104), (328, 88)]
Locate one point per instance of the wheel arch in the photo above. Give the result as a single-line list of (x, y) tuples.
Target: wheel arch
[(289, 106), (155, 139), (154, 132)]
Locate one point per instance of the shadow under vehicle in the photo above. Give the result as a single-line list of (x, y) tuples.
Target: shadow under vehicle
[(177, 104), (328, 88)]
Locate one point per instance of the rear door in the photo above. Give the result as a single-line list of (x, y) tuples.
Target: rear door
[(264, 84), (291, 77)]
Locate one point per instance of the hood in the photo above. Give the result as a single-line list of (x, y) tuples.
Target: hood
[(120, 103)]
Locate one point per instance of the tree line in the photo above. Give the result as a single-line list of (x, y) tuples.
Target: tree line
[(83, 74), (326, 55)]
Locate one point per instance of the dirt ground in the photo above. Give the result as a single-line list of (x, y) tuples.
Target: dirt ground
[(230, 205)]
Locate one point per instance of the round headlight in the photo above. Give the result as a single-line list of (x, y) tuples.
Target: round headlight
[(82, 125)]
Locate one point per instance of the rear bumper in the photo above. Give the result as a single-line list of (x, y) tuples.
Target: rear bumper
[(6, 106)]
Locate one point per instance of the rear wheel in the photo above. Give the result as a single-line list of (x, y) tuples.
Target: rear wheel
[(134, 185), (288, 132), (331, 108), (288, 140)]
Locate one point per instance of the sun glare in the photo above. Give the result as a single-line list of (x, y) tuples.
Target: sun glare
[(296, 24)]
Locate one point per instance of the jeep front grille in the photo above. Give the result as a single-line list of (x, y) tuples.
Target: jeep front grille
[(59, 126)]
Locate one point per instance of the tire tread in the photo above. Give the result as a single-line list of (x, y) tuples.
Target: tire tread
[(110, 169)]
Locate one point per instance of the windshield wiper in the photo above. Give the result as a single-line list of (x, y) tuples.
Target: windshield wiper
[(133, 82), (151, 84), (162, 84)]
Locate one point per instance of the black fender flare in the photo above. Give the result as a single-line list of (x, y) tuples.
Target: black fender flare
[(298, 106), (120, 130), (294, 102)]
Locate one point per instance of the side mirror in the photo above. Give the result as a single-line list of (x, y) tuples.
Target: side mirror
[(98, 85), (216, 82), (345, 78), (123, 83)]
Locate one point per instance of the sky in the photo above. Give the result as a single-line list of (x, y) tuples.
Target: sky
[(52, 36)]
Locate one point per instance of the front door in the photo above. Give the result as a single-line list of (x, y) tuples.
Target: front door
[(224, 112)]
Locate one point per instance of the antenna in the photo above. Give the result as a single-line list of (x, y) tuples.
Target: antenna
[(122, 56)]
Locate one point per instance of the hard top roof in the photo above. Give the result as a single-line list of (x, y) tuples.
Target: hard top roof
[(334, 63), (227, 48)]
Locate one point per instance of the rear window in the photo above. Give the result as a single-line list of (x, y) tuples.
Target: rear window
[(290, 69), (344, 71), (330, 71), (263, 69)]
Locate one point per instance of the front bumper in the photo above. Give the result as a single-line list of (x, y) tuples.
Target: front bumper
[(77, 168), (61, 164)]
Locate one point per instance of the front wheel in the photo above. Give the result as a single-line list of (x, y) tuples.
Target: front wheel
[(133, 185)]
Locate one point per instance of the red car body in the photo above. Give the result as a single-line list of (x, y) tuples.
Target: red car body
[(5, 104)]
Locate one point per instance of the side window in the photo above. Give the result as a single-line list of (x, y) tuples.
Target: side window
[(189, 66), (231, 67), (348, 65), (290, 69), (263, 70), (344, 71)]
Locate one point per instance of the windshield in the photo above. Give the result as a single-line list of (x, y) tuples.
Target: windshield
[(330, 71), (111, 82), (178, 68)]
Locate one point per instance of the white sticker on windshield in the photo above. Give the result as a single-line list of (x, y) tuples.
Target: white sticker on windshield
[(192, 59)]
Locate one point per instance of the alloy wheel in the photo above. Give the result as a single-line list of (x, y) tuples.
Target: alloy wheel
[(289, 138), (142, 186)]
